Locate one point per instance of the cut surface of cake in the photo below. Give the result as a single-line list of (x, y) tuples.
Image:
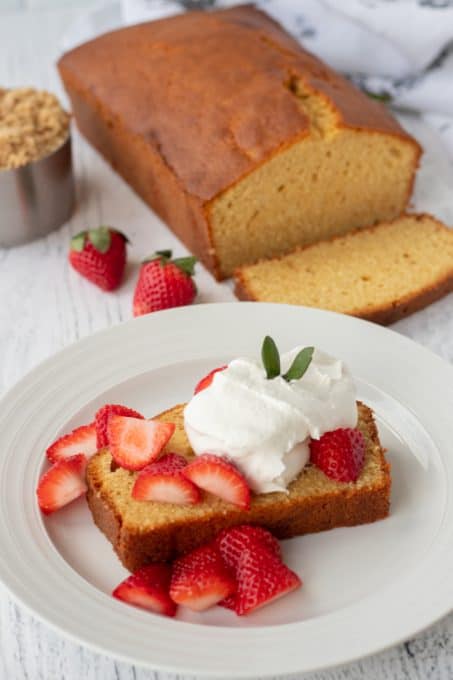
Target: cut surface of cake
[(243, 142), (381, 273), (143, 532)]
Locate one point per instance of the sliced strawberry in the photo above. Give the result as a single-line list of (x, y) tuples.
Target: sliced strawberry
[(102, 417), (148, 588), (261, 578), (219, 477), (229, 602), (63, 483), (232, 543), (340, 454), (201, 579), (170, 464), (80, 440), (162, 481), (134, 443), (207, 380)]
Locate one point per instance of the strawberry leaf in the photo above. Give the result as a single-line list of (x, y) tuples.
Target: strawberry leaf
[(270, 357), (100, 238), (163, 256), (186, 264), (78, 241), (300, 364), (163, 253)]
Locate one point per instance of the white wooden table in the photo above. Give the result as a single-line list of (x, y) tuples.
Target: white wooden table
[(45, 306)]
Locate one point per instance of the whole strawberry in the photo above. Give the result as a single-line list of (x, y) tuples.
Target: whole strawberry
[(164, 283), (100, 256)]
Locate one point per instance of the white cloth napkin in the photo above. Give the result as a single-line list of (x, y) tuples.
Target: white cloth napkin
[(398, 50)]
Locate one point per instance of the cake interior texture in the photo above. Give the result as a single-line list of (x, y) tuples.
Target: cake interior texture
[(330, 182), (144, 531), (380, 273)]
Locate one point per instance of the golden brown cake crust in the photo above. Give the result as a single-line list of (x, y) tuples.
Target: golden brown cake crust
[(213, 106), (177, 116), (399, 308), (328, 505)]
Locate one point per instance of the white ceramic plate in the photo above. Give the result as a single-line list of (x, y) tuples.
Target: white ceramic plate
[(365, 588)]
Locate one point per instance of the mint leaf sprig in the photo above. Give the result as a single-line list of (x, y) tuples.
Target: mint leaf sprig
[(271, 361), (270, 357)]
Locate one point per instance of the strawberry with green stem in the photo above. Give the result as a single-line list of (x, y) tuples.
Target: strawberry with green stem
[(164, 282), (100, 256)]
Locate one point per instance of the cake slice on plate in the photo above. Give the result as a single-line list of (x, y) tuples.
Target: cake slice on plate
[(291, 494)]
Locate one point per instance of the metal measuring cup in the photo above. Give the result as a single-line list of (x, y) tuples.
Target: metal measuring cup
[(36, 198)]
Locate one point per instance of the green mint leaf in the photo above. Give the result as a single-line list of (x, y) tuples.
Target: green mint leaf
[(270, 357), (100, 238), (186, 264), (300, 364), (78, 241)]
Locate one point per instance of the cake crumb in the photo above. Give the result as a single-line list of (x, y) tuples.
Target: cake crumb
[(32, 125)]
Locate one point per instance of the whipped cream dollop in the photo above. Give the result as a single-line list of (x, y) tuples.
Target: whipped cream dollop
[(263, 425)]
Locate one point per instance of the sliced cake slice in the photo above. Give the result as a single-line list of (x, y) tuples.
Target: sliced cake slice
[(147, 531), (381, 273)]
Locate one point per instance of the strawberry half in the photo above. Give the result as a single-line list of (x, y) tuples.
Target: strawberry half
[(207, 380), (219, 477), (148, 588), (80, 440), (164, 283), (62, 484), (232, 543), (100, 256), (134, 443), (340, 454), (162, 481), (102, 417), (201, 579)]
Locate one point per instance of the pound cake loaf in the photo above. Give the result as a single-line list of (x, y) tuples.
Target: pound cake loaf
[(381, 273), (243, 142), (146, 531)]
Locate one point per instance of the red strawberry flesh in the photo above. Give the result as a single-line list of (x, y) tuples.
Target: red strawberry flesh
[(231, 543), (219, 477), (80, 440), (102, 417), (62, 483), (340, 454), (134, 443), (170, 463), (262, 578), (148, 588), (207, 380), (201, 579), (163, 482)]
